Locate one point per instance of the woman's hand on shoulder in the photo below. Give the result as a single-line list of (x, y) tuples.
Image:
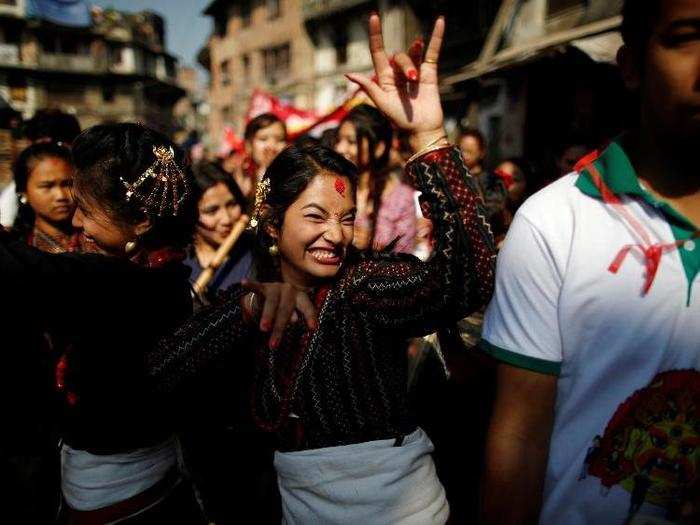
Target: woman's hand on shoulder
[(277, 305), (406, 87)]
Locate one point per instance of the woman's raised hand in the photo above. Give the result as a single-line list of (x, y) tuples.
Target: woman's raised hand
[(406, 88), (278, 307)]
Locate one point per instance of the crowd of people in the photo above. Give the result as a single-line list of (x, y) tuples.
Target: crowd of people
[(368, 326)]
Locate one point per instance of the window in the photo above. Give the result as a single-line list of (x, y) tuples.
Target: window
[(277, 62), (245, 11), (220, 25), (64, 45), (18, 88), (226, 114), (115, 55), (246, 68), (341, 47), (225, 74), (108, 93), (558, 6), (273, 9)]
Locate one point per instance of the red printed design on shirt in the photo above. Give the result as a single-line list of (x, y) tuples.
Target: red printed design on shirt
[(651, 445)]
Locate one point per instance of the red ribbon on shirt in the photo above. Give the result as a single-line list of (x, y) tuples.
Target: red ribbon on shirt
[(651, 251)]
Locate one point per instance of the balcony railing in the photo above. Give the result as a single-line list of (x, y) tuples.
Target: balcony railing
[(9, 54), (321, 8), (66, 62)]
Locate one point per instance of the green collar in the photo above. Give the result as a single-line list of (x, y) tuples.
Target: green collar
[(620, 176)]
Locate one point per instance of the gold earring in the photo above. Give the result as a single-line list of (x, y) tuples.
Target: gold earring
[(274, 250), (130, 246), (23, 199)]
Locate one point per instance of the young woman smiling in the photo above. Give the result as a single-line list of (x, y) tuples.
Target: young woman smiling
[(333, 388), (220, 204), (386, 210)]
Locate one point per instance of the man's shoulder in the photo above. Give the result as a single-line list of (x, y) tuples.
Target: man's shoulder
[(554, 203)]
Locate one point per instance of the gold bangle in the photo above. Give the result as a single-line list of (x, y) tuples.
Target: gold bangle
[(429, 149)]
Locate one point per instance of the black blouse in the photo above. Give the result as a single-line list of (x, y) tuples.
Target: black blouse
[(346, 381), (108, 312)]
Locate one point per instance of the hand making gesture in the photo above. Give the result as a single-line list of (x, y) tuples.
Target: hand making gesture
[(406, 87)]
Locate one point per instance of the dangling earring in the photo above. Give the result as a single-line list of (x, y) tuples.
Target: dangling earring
[(130, 246), (23, 199), (274, 250)]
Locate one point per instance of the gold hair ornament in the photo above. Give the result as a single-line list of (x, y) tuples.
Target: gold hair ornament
[(261, 192), (169, 188)]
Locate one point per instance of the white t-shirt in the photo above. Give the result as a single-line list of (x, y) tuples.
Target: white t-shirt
[(626, 436), (8, 205)]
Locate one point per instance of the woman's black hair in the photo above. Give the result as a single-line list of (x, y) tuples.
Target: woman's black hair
[(105, 155), (476, 134), (260, 122), (52, 125), (289, 174), (371, 125), (22, 170), (208, 174)]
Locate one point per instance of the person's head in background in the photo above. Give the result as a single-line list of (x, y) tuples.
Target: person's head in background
[(52, 125), (220, 204), (660, 63), (473, 145), (307, 140), (516, 174), (265, 136), (569, 151), (364, 138), (118, 219), (329, 137), (43, 175)]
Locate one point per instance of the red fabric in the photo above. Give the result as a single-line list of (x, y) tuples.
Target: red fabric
[(651, 251)]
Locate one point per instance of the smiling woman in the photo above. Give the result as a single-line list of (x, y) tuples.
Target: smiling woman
[(333, 391), (220, 204), (306, 224)]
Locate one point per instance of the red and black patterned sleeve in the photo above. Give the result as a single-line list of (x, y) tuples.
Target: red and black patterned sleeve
[(400, 291)]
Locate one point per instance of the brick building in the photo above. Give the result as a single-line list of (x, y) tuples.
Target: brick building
[(111, 68), (255, 43)]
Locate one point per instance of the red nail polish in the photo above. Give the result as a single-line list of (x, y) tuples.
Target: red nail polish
[(265, 326), (274, 343), (412, 75)]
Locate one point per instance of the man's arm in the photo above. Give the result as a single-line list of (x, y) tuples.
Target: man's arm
[(517, 446)]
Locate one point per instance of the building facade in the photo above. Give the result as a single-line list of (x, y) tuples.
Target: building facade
[(112, 68), (255, 43), (338, 29), (540, 55), (300, 50)]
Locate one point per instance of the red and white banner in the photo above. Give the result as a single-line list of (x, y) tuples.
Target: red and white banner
[(299, 121)]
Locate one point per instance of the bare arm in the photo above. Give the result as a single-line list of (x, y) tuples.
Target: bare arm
[(517, 446)]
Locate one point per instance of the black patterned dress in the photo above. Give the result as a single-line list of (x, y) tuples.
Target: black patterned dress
[(346, 382)]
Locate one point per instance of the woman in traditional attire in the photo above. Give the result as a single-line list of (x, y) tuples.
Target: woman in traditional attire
[(333, 391), (265, 136), (220, 204), (134, 205), (43, 175), (386, 209)]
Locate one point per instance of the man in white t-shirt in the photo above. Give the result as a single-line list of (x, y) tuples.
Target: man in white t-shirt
[(596, 314)]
